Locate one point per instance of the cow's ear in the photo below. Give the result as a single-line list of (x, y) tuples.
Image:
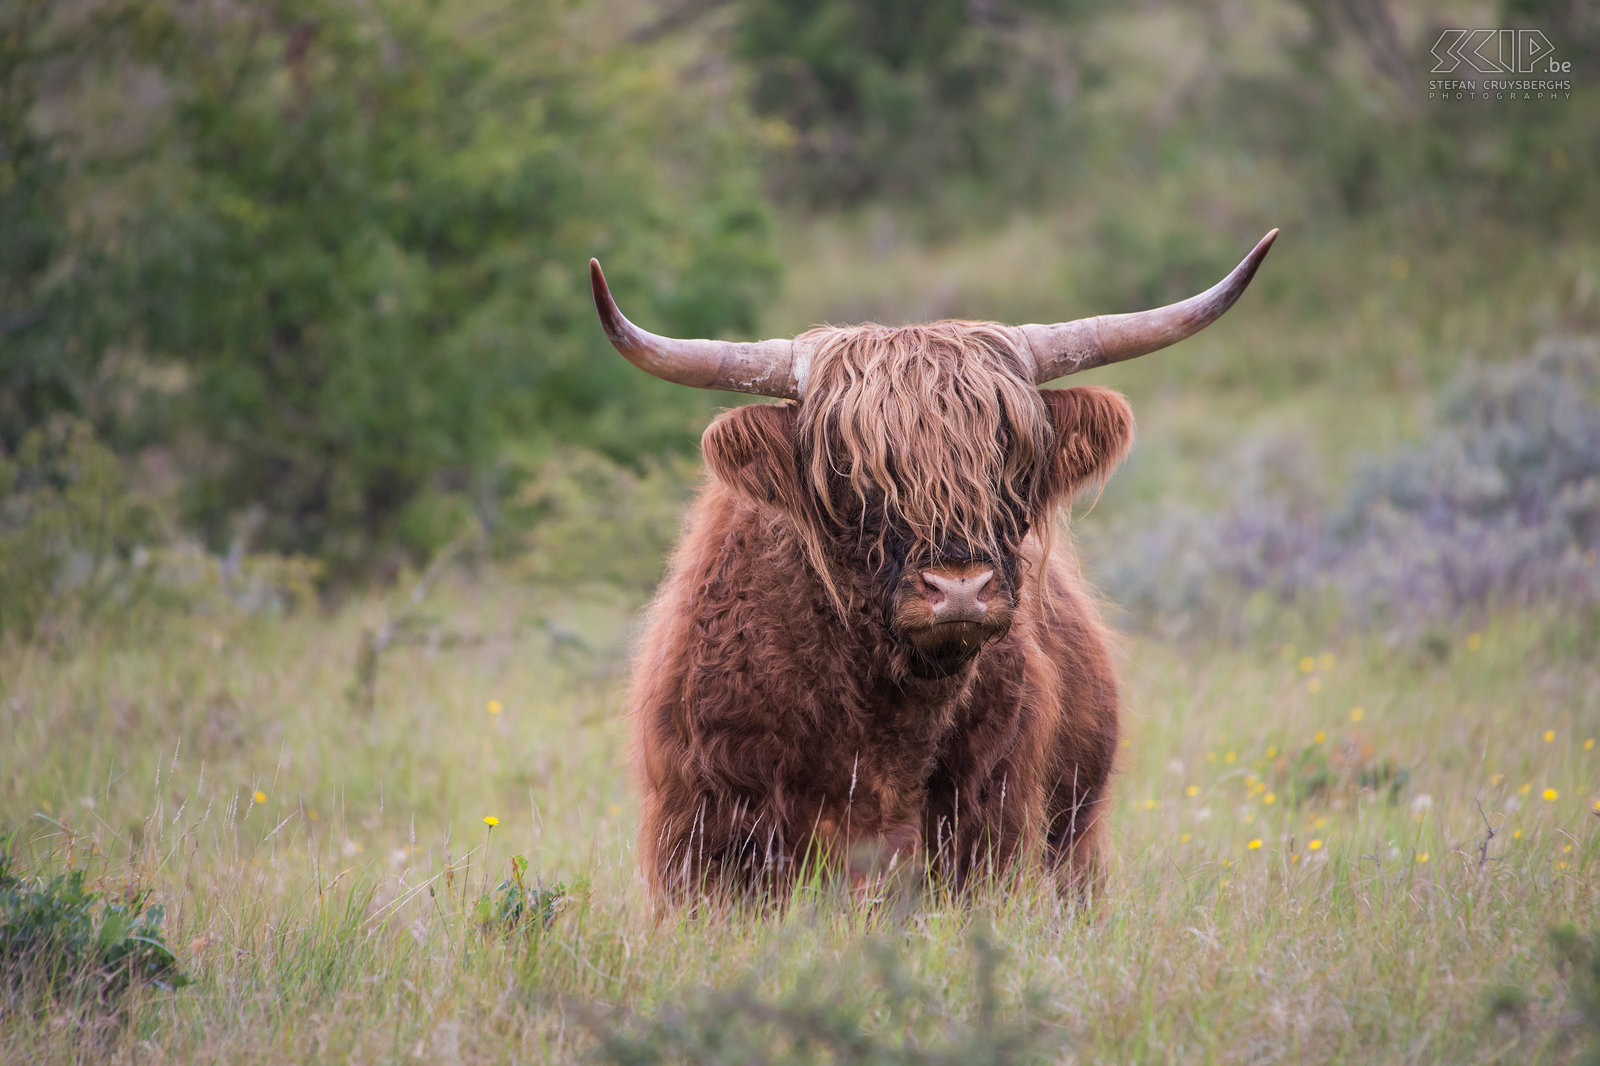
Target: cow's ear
[(1094, 430), (751, 449)]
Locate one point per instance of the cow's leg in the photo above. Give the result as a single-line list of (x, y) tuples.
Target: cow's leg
[(1076, 846)]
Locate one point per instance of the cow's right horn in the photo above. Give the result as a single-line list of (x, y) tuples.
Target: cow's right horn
[(1085, 343), (765, 368)]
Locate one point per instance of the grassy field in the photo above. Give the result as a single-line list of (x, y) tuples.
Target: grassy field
[(1305, 868), (1332, 846)]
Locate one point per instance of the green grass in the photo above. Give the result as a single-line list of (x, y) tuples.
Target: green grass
[(319, 858), (329, 917)]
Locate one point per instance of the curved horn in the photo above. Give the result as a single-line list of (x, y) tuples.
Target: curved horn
[(1085, 343), (765, 368)]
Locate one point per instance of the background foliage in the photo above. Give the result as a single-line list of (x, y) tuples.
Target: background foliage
[(312, 270), (342, 251), (326, 514)]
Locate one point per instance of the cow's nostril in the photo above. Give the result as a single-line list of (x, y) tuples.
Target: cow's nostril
[(961, 598)]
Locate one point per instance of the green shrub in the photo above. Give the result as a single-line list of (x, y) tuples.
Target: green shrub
[(338, 259), (79, 545), (886, 1016), (50, 294), (61, 939), (373, 268), (74, 536), (515, 904), (886, 98), (580, 518)]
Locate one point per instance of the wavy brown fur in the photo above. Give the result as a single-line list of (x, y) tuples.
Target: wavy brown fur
[(938, 424), (777, 718)]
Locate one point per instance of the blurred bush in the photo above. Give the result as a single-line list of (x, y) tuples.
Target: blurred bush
[(904, 1020), (883, 98), (81, 544), (74, 536), (63, 940), (348, 258), (313, 269), (581, 518), (1499, 503), (49, 313)]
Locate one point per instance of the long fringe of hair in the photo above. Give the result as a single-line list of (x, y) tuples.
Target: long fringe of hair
[(939, 425)]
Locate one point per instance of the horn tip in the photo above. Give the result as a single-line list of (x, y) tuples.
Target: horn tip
[(602, 292), (617, 327), (1247, 266)]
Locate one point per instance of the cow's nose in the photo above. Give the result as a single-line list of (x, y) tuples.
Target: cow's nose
[(957, 596)]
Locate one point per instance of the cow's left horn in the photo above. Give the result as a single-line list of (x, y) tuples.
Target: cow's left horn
[(765, 368), (1085, 343)]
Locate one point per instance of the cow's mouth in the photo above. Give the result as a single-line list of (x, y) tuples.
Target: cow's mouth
[(943, 649)]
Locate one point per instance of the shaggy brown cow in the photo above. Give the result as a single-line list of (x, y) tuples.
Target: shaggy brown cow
[(872, 646)]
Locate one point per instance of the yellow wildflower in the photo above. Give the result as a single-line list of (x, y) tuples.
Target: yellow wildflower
[(1357, 713), (1315, 845), (1149, 805), (1254, 844), (1550, 795), (1232, 755), (1588, 745), (1422, 856), (1549, 736), (1272, 753), (1194, 790), (1516, 834), (1307, 664), (1270, 797), (260, 796), (1320, 737), (1474, 641), (1326, 662), (1525, 789), (495, 707), (490, 820), (1185, 838)]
